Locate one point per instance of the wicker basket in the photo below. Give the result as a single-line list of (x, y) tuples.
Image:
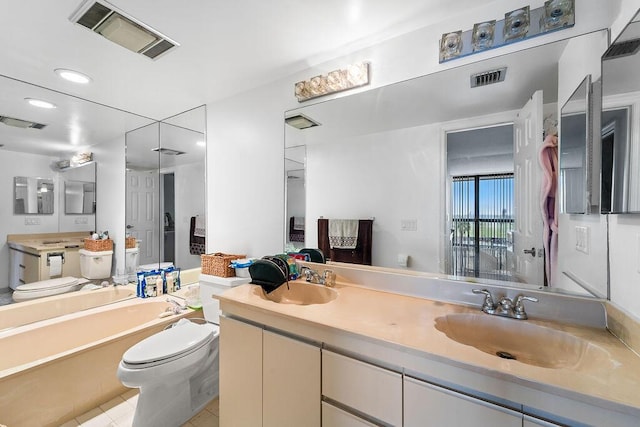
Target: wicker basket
[(129, 242), (98, 245), (217, 264)]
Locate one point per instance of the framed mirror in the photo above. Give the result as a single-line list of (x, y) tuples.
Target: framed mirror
[(576, 151), (79, 189), (620, 192), (33, 196)]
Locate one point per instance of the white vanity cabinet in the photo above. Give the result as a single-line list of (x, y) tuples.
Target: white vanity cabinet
[(429, 405), (267, 379), (370, 390), (24, 268)]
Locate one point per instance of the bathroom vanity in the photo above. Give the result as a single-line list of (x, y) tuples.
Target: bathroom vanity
[(34, 257), (379, 358)]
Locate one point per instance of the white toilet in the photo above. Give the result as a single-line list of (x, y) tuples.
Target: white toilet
[(95, 265), (175, 372), (45, 288)]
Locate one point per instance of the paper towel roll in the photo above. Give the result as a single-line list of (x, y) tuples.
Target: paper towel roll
[(55, 266)]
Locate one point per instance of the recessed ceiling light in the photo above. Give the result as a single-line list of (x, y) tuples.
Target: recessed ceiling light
[(72, 76), (40, 103)]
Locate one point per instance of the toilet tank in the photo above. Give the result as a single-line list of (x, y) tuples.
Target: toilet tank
[(215, 285), (95, 265)]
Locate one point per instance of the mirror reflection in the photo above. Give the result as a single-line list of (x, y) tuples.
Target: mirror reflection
[(575, 151), (620, 95), (80, 189), (384, 154), (165, 192), (33, 195)]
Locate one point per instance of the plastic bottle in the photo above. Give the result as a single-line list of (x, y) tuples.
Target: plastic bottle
[(159, 290)]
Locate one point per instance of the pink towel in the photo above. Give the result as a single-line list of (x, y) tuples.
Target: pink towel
[(549, 163)]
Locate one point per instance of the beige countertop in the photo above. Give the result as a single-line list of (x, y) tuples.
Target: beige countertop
[(47, 241), (610, 375)]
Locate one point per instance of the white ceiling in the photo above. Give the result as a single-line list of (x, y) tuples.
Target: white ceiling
[(226, 47)]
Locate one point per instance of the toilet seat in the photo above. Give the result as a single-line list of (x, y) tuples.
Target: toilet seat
[(169, 345), (45, 288)]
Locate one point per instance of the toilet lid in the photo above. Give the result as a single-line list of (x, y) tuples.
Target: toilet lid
[(60, 282), (168, 344)]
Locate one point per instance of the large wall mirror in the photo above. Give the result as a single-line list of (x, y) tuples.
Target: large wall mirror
[(80, 189), (165, 192), (382, 154), (619, 123)]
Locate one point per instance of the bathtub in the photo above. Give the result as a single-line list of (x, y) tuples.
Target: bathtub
[(54, 370), (26, 312)]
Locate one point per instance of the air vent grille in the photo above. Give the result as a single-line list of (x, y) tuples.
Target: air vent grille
[(19, 123), (122, 29), (625, 48), (488, 77)]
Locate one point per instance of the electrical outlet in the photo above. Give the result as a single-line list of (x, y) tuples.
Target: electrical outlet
[(582, 239), (409, 225), (31, 221)]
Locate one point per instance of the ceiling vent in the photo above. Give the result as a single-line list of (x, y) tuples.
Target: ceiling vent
[(488, 77), (300, 121), (168, 151), (113, 24), (620, 49), (19, 123)]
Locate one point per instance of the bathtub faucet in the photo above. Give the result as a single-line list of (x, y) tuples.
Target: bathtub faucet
[(176, 308)]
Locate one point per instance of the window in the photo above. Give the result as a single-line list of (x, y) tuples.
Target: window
[(481, 226)]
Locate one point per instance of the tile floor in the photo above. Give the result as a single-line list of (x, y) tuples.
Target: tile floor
[(118, 412)]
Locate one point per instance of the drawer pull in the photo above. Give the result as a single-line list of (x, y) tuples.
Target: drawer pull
[(23, 266)]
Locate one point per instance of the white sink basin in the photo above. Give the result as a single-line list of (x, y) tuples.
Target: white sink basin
[(520, 340), (300, 293)]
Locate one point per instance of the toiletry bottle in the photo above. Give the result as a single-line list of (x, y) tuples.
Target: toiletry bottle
[(170, 282), (159, 289)]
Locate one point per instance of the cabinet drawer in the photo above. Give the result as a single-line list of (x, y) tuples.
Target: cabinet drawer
[(367, 388), (335, 417)]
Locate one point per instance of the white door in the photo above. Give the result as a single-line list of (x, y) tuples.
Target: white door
[(143, 214), (527, 236)]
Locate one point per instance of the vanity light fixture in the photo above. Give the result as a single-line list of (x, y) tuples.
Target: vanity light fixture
[(353, 76), (73, 76), (300, 121), (115, 25), (40, 103)]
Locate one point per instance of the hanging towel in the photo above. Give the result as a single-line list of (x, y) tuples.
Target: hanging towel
[(296, 234), (343, 233), (549, 163), (197, 244), (298, 223), (199, 230)]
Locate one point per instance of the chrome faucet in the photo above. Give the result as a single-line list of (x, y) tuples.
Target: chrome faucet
[(505, 306), (176, 308), (312, 276)]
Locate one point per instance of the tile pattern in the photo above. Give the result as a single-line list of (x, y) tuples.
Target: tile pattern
[(119, 412)]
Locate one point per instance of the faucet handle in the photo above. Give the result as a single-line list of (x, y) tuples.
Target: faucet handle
[(518, 309), (488, 306)]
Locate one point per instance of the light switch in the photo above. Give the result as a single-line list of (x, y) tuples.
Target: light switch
[(409, 225), (582, 239)]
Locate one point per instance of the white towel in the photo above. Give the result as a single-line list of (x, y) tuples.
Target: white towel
[(298, 223), (199, 228), (343, 233)]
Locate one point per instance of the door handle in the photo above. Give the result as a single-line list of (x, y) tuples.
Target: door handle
[(129, 227), (531, 251)]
